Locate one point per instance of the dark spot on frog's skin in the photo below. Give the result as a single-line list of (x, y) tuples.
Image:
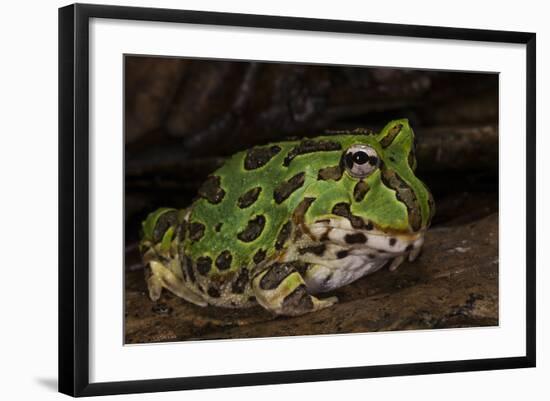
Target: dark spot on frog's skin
[(301, 267), (298, 301), (204, 263), (325, 236), (369, 226), (189, 269), (211, 190), (259, 157), (310, 146), (283, 236), (223, 261), (392, 241), (342, 254), (180, 231), (318, 250), (218, 227), (196, 231), (213, 292), (301, 209), (330, 173), (285, 189), (358, 238), (200, 288), (409, 247), (259, 256), (276, 273), (253, 229), (390, 136), (371, 255), (164, 222), (411, 158), (239, 284), (249, 197), (360, 191), (252, 298), (392, 159), (405, 194), (343, 209)]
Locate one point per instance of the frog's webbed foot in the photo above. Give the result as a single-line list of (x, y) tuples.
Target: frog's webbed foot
[(282, 290), (159, 276)]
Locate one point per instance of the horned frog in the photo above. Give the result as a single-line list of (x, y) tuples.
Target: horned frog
[(278, 224)]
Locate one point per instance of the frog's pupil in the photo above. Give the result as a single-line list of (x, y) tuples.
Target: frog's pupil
[(360, 157)]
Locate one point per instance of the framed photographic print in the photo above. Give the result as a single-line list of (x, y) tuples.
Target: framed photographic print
[(279, 199)]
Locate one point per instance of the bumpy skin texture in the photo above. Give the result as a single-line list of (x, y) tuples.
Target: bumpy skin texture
[(278, 223)]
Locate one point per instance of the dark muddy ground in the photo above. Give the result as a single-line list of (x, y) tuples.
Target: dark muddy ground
[(454, 283)]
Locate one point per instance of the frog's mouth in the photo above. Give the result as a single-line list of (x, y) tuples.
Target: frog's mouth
[(340, 231)]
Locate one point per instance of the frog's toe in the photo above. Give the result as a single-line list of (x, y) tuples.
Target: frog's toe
[(414, 254), (326, 302), (396, 262), (154, 285), (162, 277)]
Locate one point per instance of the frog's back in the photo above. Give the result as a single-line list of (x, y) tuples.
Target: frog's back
[(245, 205)]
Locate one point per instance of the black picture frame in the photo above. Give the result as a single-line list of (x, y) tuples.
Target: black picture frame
[(74, 198)]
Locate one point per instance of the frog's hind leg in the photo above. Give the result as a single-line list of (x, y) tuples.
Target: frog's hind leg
[(282, 290), (165, 266)]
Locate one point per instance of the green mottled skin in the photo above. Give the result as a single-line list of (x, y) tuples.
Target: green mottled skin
[(379, 205)]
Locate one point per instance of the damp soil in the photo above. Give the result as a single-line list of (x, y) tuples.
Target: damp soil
[(453, 284)]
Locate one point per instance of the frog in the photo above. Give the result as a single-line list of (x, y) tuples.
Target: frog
[(278, 225)]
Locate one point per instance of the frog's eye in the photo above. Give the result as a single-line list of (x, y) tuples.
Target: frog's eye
[(361, 160)]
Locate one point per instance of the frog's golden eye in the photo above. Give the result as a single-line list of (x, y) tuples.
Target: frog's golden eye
[(361, 160)]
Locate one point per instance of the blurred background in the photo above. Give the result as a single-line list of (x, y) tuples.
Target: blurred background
[(183, 116)]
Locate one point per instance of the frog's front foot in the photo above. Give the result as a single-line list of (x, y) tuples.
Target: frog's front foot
[(159, 276), (282, 290)]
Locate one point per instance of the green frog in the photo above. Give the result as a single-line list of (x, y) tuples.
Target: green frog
[(279, 224)]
